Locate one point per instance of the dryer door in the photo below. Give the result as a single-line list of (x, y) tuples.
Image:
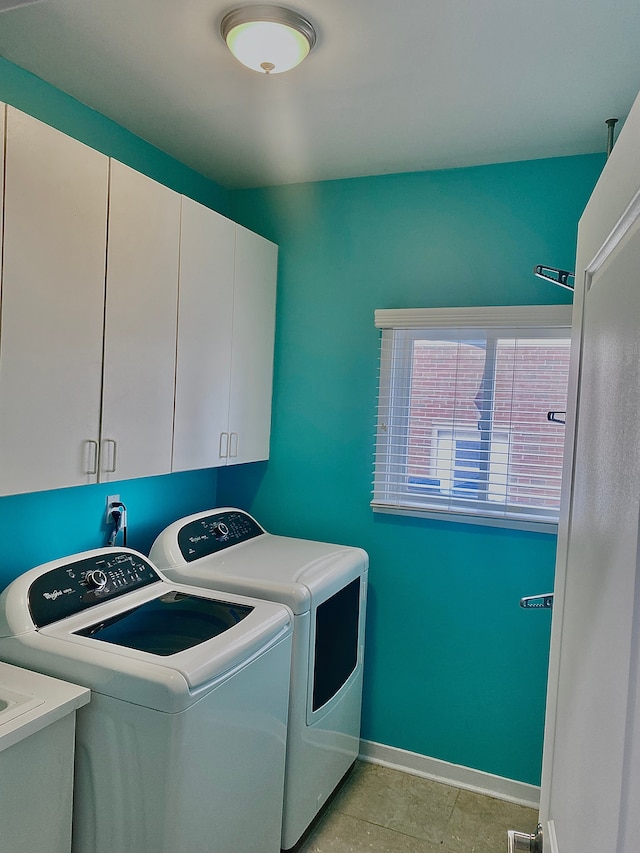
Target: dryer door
[(335, 643)]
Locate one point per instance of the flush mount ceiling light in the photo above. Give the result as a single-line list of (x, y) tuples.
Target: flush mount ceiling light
[(268, 39)]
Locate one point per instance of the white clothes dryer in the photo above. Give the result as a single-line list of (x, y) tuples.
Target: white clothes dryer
[(182, 747), (325, 586)]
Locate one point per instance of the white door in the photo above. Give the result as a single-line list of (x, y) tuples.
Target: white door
[(140, 326), (52, 308), (591, 770)]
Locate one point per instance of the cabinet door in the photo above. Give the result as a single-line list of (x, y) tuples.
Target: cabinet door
[(254, 306), (140, 326), (205, 306), (52, 308)]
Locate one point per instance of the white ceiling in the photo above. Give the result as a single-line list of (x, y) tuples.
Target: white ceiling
[(390, 86)]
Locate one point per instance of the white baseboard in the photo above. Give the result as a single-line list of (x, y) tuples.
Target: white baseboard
[(451, 774)]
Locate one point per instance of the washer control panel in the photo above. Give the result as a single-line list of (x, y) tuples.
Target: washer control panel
[(214, 532), (68, 589)]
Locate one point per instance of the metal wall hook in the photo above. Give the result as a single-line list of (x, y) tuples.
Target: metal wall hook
[(544, 601), (560, 277)]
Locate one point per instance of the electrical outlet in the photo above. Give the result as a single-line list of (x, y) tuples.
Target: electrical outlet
[(111, 500)]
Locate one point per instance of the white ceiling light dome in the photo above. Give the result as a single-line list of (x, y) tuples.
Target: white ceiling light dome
[(268, 39)]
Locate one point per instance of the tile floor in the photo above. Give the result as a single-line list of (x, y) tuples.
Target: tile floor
[(387, 811)]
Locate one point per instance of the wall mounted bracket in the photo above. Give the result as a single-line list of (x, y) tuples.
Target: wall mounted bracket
[(560, 277)]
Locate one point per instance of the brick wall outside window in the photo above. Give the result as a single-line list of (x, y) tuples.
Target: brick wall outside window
[(530, 380)]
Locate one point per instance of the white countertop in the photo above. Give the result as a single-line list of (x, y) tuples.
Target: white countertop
[(30, 701)]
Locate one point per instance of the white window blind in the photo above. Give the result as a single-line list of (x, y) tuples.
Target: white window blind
[(462, 423)]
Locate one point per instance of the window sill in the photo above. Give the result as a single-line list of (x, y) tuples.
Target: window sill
[(469, 518)]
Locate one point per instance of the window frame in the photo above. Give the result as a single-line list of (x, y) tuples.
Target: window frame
[(400, 325)]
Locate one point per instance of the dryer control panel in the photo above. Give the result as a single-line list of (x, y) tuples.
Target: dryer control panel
[(73, 587), (214, 532)]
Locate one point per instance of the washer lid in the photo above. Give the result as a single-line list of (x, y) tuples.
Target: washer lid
[(169, 623)]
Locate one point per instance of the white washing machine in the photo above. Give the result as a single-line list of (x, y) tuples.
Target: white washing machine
[(182, 747), (326, 587)]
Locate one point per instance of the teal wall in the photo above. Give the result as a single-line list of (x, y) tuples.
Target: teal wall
[(454, 668), (39, 527), (35, 528)]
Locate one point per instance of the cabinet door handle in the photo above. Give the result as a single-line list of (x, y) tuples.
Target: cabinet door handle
[(224, 445), (110, 470), (233, 445), (92, 453)]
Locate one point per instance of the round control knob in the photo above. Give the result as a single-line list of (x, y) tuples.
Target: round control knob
[(96, 579), (220, 530)]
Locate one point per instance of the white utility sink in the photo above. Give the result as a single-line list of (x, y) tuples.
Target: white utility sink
[(37, 739), (12, 704)]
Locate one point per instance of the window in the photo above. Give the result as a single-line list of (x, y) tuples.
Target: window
[(462, 413)]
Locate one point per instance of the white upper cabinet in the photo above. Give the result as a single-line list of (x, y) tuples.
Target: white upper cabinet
[(52, 307), (136, 326), (203, 369), (226, 323), (140, 326), (254, 314)]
